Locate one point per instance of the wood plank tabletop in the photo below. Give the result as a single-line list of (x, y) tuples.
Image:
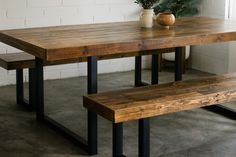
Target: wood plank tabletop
[(64, 42)]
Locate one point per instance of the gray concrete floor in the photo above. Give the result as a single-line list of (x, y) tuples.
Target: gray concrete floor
[(195, 133)]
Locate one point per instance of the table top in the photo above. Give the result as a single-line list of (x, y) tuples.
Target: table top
[(65, 42)]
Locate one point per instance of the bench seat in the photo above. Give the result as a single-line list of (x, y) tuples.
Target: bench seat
[(22, 60), (141, 103), (137, 103), (13, 61)]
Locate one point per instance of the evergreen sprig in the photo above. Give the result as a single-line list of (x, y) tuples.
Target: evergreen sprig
[(147, 4), (178, 7)]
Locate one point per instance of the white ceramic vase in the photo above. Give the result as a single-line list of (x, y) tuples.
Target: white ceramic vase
[(146, 18)]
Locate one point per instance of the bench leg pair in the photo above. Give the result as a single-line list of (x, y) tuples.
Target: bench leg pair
[(29, 104), (144, 139)]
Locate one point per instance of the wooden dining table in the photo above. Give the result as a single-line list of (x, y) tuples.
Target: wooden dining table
[(57, 43)]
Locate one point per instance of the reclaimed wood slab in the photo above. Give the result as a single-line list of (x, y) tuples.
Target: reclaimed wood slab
[(142, 102), (66, 42), (23, 60)]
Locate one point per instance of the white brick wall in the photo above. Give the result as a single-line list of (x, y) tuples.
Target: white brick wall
[(214, 8), (212, 58), (232, 45), (37, 13), (217, 58)]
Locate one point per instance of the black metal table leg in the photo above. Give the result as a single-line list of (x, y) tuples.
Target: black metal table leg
[(138, 71), (32, 88), (144, 137), (92, 117), (65, 132), (178, 64), (118, 140), (155, 72), (39, 89), (223, 111), (41, 117)]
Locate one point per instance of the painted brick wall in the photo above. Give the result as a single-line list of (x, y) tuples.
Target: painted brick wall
[(37, 13), (232, 45)]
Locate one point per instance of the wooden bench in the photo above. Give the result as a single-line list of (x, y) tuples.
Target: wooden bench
[(20, 61), (141, 103)]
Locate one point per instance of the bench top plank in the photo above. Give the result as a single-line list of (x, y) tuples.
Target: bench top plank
[(64, 42), (142, 102), (14, 61)]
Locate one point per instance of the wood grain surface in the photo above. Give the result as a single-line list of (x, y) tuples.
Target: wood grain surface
[(15, 61), (154, 100), (23, 60), (67, 42)]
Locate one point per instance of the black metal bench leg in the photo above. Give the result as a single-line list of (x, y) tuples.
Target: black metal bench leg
[(20, 100), (92, 117), (118, 140), (144, 137), (155, 72), (19, 87)]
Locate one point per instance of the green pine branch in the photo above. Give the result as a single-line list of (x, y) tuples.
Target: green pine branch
[(178, 7), (147, 4)]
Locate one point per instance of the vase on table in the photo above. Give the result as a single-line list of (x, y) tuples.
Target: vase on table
[(146, 18), (165, 20)]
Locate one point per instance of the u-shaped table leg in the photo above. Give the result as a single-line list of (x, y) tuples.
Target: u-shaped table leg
[(118, 140), (144, 138), (138, 71), (92, 117), (19, 87)]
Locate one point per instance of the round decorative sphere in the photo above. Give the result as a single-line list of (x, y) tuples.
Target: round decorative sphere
[(165, 19)]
